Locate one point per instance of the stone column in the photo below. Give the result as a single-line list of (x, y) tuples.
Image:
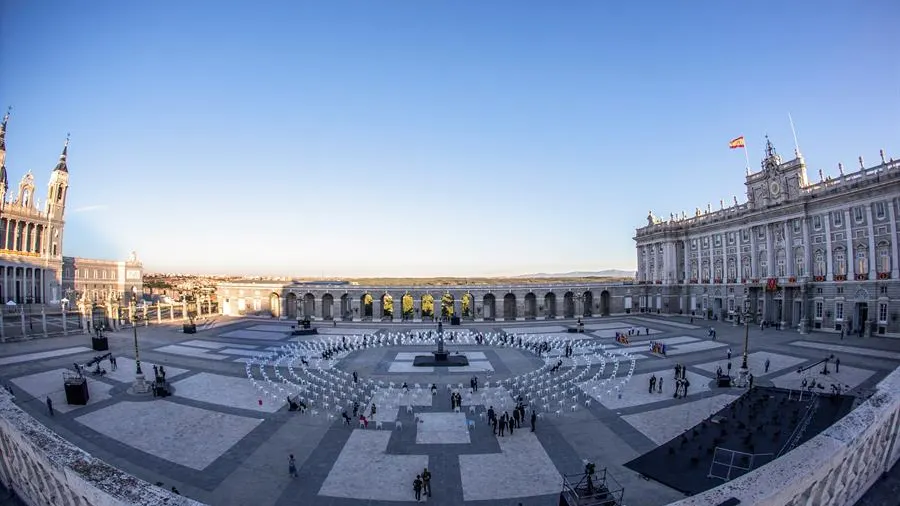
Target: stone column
[(417, 310), (520, 309), (158, 312), (873, 270), (22, 320), (725, 260), (146, 320), (377, 309), (788, 250), (579, 307), (770, 252), (172, 312), (851, 255), (895, 258), (355, 309), (183, 310), (44, 321), (754, 257), (478, 309), (807, 255), (317, 303), (829, 268), (457, 307), (62, 313), (804, 315)]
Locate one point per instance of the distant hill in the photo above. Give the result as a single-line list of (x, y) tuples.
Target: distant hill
[(608, 273)]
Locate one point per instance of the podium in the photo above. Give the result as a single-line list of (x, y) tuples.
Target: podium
[(189, 328), (454, 320), (99, 343), (76, 390)]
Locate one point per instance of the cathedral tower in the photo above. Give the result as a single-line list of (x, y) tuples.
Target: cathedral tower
[(4, 181), (58, 187)]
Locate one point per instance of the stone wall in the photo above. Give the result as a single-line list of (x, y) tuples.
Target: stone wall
[(834, 468), (45, 469)]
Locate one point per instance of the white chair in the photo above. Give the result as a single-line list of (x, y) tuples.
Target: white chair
[(456, 409), (472, 409), (379, 427), (409, 408)]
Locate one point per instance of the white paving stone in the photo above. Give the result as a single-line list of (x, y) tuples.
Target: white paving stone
[(50, 384), (850, 377), (29, 357), (668, 341), (608, 325), (243, 353), (757, 363), (185, 435), (126, 370), (255, 335), (410, 356), (612, 333), (635, 392), (205, 344), (522, 469), (442, 428), (271, 328), (345, 331), (365, 471), (868, 352), (661, 425), (546, 329), (668, 322), (681, 349), (187, 351), (225, 391)]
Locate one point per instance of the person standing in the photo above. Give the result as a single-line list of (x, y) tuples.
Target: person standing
[(837, 365), (729, 353), (426, 482), (767, 365), (417, 487), (533, 420), (50, 406), (292, 466), (355, 377), (659, 384), (652, 384)]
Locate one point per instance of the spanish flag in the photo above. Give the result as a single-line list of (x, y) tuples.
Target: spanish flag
[(737, 143)]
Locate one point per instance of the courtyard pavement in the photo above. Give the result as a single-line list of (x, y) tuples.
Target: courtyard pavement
[(219, 441)]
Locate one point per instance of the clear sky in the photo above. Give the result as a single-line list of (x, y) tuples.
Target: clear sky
[(406, 138)]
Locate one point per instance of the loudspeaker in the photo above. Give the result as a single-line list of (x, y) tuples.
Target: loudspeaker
[(77, 391), (189, 328), (454, 320), (99, 343), (724, 382)]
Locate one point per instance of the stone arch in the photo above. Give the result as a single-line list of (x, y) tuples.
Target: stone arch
[(290, 306), (861, 295), (588, 303), (275, 305), (509, 306), (426, 306), (309, 305), (531, 310), (550, 305), (365, 306), (569, 305), (489, 303), (328, 307), (468, 305), (407, 306), (447, 305), (387, 306), (604, 303), (346, 307)]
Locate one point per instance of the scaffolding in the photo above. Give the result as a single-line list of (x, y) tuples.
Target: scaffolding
[(725, 462), (597, 489)]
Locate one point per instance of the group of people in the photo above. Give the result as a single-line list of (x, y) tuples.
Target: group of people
[(505, 422), (681, 381), (422, 484)]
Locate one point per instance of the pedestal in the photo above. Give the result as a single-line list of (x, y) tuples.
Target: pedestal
[(140, 385), (804, 327)]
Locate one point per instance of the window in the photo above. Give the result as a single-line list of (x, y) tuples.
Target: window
[(746, 305), (883, 290), (837, 218), (819, 259), (883, 256), (732, 269), (745, 235), (840, 262), (840, 290), (839, 311), (780, 263), (763, 267), (800, 263), (796, 226), (862, 260), (819, 309), (731, 238), (693, 269), (817, 222), (718, 269), (745, 268), (730, 305), (882, 312), (858, 214), (718, 240), (879, 210), (760, 232)]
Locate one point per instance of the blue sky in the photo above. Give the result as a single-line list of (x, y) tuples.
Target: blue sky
[(426, 138)]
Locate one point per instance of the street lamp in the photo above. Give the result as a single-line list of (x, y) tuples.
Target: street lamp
[(745, 368), (140, 383)]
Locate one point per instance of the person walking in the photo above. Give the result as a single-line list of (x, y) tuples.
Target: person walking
[(533, 420), (426, 482), (652, 384), (50, 406), (837, 365), (292, 466), (417, 487), (729, 353), (659, 384)]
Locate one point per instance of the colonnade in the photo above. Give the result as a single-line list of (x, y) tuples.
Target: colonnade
[(22, 285), (21, 236)]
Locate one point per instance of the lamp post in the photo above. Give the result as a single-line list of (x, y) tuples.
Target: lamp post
[(140, 383), (744, 372)]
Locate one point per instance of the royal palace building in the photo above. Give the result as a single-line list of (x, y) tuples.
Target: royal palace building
[(31, 245), (796, 254)]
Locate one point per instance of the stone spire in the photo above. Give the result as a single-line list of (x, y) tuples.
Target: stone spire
[(61, 165), (3, 140)]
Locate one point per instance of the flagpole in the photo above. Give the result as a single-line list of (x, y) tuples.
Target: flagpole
[(746, 155)]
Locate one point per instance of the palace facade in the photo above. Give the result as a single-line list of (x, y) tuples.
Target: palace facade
[(31, 244), (807, 255)]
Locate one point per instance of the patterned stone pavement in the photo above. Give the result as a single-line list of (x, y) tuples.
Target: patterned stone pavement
[(220, 441)]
